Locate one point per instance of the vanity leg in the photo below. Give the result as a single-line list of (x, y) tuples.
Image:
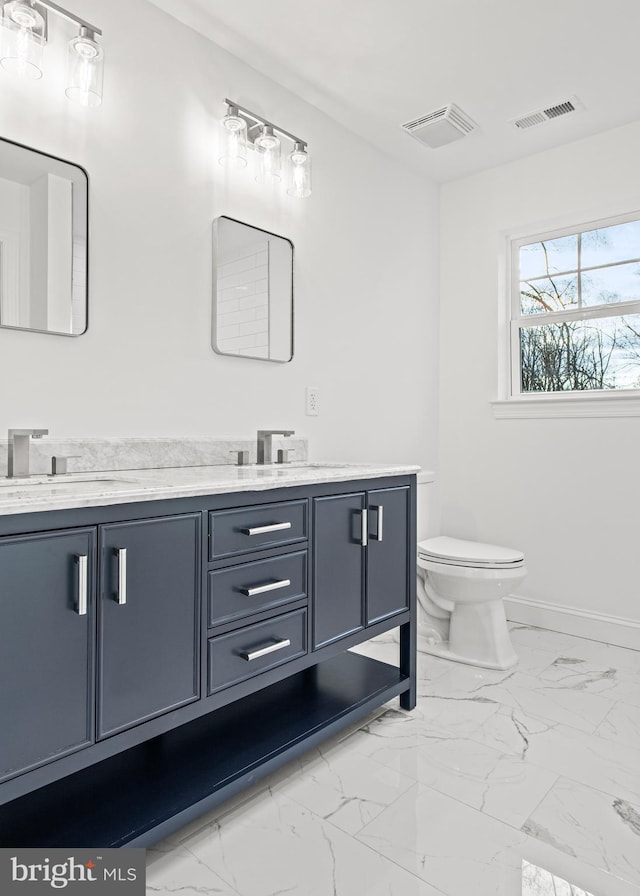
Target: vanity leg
[(408, 631), (408, 663)]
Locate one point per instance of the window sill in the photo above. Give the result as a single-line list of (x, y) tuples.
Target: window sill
[(531, 408)]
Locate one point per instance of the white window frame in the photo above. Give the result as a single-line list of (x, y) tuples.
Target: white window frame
[(592, 403)]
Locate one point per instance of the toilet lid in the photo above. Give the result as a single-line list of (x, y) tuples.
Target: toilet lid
[(457, 550)]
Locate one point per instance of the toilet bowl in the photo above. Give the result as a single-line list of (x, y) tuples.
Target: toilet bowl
[(467, 581)]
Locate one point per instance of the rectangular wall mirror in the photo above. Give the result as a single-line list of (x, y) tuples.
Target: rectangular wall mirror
[(43, 242), (253, 292)]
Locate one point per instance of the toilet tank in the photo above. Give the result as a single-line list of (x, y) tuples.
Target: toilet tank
[(428, 511)]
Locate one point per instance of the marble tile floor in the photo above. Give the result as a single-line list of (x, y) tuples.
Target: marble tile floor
[(517, 783)]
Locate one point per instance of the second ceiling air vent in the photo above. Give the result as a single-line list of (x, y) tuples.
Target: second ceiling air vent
[(441, 127), (573, 104)]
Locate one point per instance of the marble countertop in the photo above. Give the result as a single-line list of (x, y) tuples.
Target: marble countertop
[(41, 493)]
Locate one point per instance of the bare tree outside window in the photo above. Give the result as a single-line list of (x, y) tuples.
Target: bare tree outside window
[(587, 287)]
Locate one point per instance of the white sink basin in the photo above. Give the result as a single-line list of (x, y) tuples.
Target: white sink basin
[(57, 485), (309, 465), (21, 482)]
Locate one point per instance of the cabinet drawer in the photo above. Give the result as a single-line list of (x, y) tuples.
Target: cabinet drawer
[(253, 528), (251, 587), (255, 648)]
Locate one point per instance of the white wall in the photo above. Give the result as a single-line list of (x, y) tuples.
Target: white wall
[(565, 491), (366, 257)]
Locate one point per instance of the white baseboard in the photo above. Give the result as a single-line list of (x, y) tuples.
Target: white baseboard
[(571, 621)]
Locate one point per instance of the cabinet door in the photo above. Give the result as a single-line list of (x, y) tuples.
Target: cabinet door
[(387, 553), (338, 567), (148, 654), (46, 661)]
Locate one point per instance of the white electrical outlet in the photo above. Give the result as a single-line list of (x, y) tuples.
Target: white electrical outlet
[(313, 401)]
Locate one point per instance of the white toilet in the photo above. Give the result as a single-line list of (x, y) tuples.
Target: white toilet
[(463, 583)]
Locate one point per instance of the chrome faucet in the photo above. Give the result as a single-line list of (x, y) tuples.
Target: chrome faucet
[(18, 456), (265, 443)]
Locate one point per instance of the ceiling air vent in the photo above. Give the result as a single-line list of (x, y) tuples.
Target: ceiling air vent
[(441, 127), (573, 104)]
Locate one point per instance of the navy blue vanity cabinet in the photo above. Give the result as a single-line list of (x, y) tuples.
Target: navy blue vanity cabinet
[(387, 552), (148, 623), (158, 656), (47, 611)]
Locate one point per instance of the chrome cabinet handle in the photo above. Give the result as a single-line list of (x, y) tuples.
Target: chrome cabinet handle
[(121, 593), (83, 584), (256, 654), (379, 509), (363, 538), (260, 530), (262, 589)]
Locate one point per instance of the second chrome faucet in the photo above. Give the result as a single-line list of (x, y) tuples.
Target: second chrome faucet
[(265, 443)]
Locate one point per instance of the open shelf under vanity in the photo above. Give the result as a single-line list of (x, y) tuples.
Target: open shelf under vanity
[(145, 793)]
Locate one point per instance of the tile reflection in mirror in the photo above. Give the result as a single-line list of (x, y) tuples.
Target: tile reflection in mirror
[(43, 242), (253, 292), (537, 881)]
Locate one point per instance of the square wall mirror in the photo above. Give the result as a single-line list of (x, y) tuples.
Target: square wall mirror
[(253, 292), (43, 242)]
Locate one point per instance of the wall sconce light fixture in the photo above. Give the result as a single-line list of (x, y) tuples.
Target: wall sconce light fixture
[(241, 129), (233, 139), (299, 181), (24, 34)]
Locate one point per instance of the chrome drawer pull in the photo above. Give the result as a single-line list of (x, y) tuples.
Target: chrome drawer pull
[(260, 530), (83, 584), (122, 575), (256, 654), (379, 509), (363, 539), (262, 589)]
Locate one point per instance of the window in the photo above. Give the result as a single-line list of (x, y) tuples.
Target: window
[(575, 311)]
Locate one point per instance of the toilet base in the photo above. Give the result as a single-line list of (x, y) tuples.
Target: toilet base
[(442, 650), (478, 636)]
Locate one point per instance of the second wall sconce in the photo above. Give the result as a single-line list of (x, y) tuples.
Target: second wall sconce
[(24, 30), (241, 130)]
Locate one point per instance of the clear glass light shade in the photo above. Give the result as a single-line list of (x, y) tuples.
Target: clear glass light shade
[(299, 172), (268, 145), (233, 141), (85, 70), (22, 40)]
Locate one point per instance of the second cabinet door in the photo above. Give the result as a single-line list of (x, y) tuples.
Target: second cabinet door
[(338, 567), (387, 553), (148, 623)]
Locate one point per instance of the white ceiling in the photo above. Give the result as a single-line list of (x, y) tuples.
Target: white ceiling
[(374, 64)]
